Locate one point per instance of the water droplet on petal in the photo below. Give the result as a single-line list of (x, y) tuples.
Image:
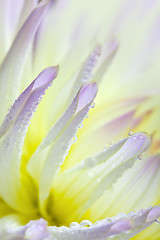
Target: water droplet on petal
[(140, 156), (130, 134), (121, 215), (86, 223), (142, 137), (93, 105), (81, 125), (74, 139), (87, 115), (74, 224)]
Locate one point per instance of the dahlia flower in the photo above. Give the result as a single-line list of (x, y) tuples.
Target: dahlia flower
[(84, 162)]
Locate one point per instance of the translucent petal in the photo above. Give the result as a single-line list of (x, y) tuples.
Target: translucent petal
[(13, 132)]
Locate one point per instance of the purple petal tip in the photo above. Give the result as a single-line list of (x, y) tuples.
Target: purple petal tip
[(37, 230), (87, 94), (137, 143), (153, 214), (46, 77), (122, 225)]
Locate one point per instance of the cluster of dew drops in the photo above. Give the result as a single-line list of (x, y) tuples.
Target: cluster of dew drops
[(140, 156)]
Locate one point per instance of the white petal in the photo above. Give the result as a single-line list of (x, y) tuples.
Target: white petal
[(60, 147), (12, 66), (121, 227), (13, 130), (78, 188)]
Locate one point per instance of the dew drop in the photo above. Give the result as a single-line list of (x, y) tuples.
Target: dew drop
[(93, 105), (140, 156), (74, 224), (81, 125), (86, 223), (121, 215), (74, 139), (130, 134), (87, 115), (141, 137)]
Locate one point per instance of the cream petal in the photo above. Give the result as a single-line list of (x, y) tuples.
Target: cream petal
[(36, 162), (107, 124), (137, 188), (10, 13), (76, 189), (13, 132), (109, 52), (95, 65), (60, 147), (86, 70)]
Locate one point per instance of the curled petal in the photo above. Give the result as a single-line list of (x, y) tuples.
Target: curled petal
[(44, 79), (12, 66), (59, 141), (13, 130), (59, 149), (86, 95)]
